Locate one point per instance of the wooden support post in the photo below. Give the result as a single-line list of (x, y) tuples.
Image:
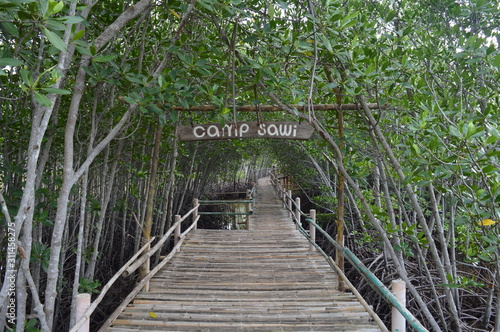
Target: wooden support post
[(195, 213), (297, 212), (289, 199), (248, 208), (177, 233), (312, 230), (397, 319), (82, 304)]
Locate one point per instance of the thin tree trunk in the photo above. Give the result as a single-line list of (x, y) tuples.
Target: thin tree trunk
[(189, 179), (148, 224), (79, 248), (39, 124), (456, 326), (83, 232), (70, 177), (124, 223), (106, 189), (169, 200), (340, 196)]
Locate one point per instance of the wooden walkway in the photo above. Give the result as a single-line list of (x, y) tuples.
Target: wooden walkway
[(263, 279)]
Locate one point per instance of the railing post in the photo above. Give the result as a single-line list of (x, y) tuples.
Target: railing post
[(195, 213), (312, 229), (397, 319), (289, 198), (297, 212), (177, 233), (283, 194), (248, 208), (82, 304)]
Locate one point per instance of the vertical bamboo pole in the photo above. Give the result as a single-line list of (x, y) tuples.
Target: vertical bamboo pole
[(312, 229), (177, 232), (195, 213), (289, 199), (397, 319), (148, 221), (248, 208), (82, 304), (340, 196), (297, 212)]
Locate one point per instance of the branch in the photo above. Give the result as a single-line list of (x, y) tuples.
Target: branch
[(5, 210), (278, 108), (38, 304)]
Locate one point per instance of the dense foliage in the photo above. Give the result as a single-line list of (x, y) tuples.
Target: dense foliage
[(89, 157)]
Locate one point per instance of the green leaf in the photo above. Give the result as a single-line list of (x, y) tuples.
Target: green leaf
[(55, 7), (10, 62), (54, 39), (491, 140), (390, 15), (78, 35), (270, 10), (348, 21), (83, 50), (10, 28), (103, 58), (174, 115), (130, 100), (26, 77), (471, 129), (57, 91), (496, 61), (72, 19), (43, 5), (455, 132), (326, 43), (55, 24), (42, 99), (490, 169)]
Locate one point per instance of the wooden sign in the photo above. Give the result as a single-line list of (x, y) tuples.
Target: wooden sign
[(247, 129)]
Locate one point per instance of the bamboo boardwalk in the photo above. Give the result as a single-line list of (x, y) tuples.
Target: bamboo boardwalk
[(262, 279)]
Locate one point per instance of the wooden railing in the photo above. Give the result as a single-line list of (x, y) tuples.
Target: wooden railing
[(141, 257), (293, 207), (146, 252), (249, 204)]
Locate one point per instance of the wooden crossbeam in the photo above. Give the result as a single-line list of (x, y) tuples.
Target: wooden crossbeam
[(273, 108)]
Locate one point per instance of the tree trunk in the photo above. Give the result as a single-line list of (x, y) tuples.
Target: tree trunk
[(70, 177), (148, 223), (420, 215)]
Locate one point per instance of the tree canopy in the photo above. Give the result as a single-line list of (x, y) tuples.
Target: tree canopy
[(92, 92)]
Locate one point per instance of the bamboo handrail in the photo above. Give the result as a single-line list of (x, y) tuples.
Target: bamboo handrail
[(133, 263), (360, 298), (104, 290), (139, 286), (157, 246), (214, 202), (249, 201), (374, 282)]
